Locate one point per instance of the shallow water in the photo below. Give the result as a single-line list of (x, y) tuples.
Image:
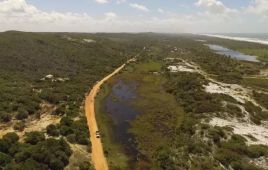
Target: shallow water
[(233, 54), (118, 106)]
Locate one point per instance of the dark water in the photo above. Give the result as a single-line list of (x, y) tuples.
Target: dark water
[(233, 54), (118, 106)]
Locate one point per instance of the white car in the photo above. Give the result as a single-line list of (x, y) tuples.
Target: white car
[(97, 134)]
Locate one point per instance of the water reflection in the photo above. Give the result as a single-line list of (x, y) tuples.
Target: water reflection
[(233, 54), (118, 106)]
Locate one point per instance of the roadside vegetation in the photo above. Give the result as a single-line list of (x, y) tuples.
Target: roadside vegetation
[(55, 69)]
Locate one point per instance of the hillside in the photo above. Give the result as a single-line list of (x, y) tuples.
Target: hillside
[(43, 81)]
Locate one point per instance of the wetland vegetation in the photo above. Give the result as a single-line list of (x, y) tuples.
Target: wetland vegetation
[(170, 131), (149, 117)]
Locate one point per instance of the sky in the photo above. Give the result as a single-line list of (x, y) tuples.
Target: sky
[(166, 16)]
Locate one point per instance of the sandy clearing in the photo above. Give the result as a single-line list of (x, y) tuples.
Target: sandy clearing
[(34, 125), (235, 91), (260, 132), (89, 41), (98, 158), (238, 92)]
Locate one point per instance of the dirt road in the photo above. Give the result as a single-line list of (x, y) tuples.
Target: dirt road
[(98, 158)]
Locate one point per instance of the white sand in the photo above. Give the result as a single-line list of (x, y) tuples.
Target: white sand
[(35, 125), (179, 68), (89, 40), (235, 91), (260, 132), (201, 40)]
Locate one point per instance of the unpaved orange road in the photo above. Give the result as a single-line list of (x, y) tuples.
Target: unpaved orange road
[(98, 158)]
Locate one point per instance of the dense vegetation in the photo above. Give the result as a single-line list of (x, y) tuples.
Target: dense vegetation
[(55, 69), (168, 131), (36, 153)]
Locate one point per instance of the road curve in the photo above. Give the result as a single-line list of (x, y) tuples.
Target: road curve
[(98, 158)]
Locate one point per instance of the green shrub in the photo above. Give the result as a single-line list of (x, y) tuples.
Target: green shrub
[(256, 151), (5, 117), (22, 156), (4, 159), (11, 137), (22, 114), (226, 157), (82, 140), (29, 164), (216, 134), (61, 110), (4, 146), (19, 126), (85, 166), (71, 138), (34, 137), (52, 130), (66, 130), (56, 164)]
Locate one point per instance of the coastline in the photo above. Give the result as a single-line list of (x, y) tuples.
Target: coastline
[(238, 38)]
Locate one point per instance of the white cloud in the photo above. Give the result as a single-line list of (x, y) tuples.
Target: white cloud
[(214, 6), (160, 10), (102, 1), (16, 6), (258, 7), (20, 15), (139, 7), (110, 16), (120, 1)]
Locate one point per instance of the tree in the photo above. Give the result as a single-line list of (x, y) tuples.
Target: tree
[(52, 130), (4, 146), (22, 156), (56, 164), (34, 137), (11, 137)]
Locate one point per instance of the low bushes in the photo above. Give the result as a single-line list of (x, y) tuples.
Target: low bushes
[(36, 153)]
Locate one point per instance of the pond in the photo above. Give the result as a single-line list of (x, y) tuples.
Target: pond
[(233, 54), (118, 106)]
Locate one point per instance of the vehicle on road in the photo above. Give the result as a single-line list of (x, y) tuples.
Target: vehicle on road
[(98, 134)]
